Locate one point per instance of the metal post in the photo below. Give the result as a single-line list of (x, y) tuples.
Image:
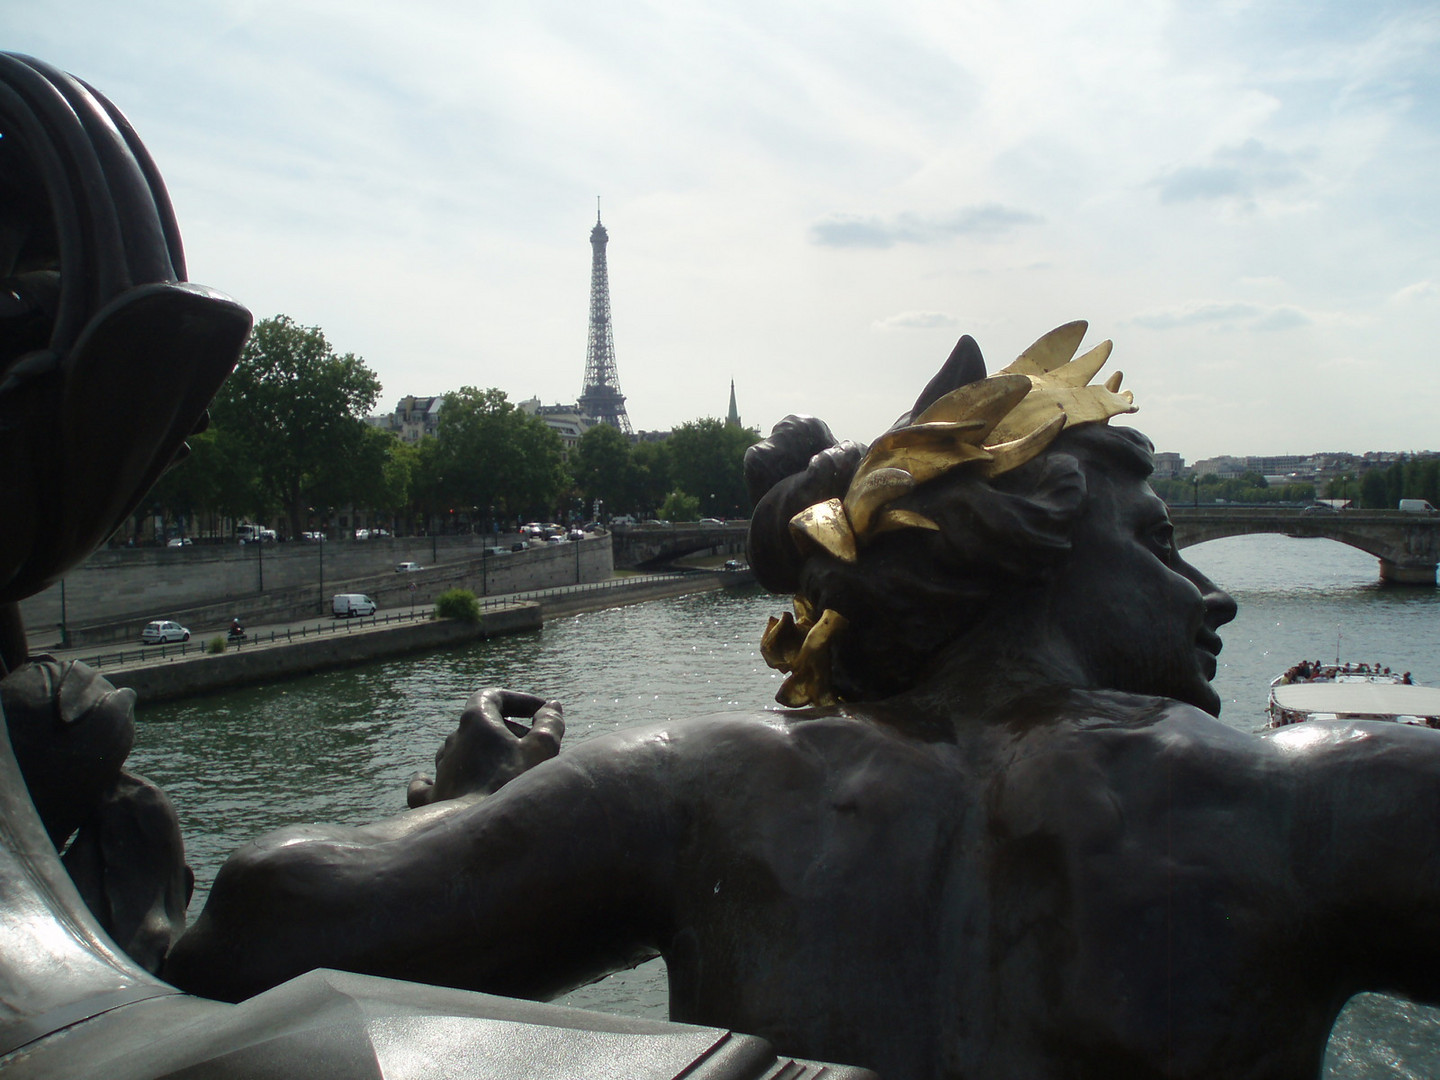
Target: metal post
[(64, 621), (320, 555), (260, 561)]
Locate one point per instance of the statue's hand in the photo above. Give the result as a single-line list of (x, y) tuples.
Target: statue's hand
[(489, 749)]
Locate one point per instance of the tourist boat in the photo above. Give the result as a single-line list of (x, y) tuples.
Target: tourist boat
[(1311, 691)]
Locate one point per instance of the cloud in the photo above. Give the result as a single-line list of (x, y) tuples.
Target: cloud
[(1421, 292), (1238, 172), (988, 220), (1230, 315), (915, 320), (1282, 318)]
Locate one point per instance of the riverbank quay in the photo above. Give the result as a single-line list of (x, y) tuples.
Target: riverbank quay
[(174, 672), (117, 591)]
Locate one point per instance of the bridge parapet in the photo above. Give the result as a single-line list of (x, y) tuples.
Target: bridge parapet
[(1407, 545), (645, 545)]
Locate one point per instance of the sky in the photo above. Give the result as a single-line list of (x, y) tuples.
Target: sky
[(815, 200)]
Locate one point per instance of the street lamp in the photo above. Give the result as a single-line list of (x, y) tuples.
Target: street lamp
[(1196, 479), (320, 559)]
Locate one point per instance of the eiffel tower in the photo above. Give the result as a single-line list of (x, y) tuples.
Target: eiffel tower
[(601, 397)]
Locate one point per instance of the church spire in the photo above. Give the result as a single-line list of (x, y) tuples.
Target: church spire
[(734, 415)]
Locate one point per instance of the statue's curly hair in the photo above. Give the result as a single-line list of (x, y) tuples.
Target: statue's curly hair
[(912, 592)]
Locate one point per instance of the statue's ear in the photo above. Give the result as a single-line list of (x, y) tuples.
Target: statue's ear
[(964, 366)]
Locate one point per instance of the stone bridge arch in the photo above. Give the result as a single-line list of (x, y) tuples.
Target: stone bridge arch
[(652, 545), (1407, 545)]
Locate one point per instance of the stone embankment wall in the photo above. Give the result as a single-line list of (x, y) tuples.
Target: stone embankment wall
[(113, 595), (195, 672), (199, 673)]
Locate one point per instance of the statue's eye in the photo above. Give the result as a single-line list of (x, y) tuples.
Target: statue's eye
[(1162, 540)]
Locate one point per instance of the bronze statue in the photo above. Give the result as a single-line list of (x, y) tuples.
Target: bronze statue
[(999, 832), (1009, 838)]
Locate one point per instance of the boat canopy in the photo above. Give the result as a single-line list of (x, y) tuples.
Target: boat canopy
[(1358, 699)]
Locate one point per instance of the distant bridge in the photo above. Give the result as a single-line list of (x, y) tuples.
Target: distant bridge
[(649, 545), (1407, 545)]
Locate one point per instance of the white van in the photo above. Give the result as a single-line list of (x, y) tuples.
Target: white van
[(347, 604), (1416, 506)]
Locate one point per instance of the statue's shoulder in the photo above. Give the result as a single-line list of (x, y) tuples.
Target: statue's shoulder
[(1111, 758), (1116, 732), (798, 742)]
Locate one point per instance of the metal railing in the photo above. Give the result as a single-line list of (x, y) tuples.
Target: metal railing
[(198, 647)]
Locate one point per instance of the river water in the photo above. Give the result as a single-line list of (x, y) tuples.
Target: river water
[(342, 746)]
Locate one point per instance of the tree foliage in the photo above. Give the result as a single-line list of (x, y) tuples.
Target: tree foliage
[(1249, 488), (490, 454), (680, 507), (649, 478), (1382, 487), (294, 409), (602, 467), (707, 458)]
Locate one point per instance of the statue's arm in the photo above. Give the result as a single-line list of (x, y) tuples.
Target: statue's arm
[(552, 881), (1364, 839)]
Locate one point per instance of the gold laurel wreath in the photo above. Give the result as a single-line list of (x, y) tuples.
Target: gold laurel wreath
[(994, 425)]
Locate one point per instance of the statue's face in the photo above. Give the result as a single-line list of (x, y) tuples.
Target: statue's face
[(1138, 616)]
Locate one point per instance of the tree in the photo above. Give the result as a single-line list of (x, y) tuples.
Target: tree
[(680, 507), (489, 453), (708, 460), (296, 407), (649, 477), (354, 474), (602, 468), (1373, 490), (397, 479)]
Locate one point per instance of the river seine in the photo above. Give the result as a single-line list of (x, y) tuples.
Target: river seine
[(342, 746)]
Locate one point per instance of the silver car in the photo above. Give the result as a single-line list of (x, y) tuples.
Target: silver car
[(162, 630)]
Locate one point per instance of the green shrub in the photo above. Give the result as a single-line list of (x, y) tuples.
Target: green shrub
[(457, 604), (215, 645)]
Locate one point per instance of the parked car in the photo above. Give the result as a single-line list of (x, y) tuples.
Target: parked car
[(407, 567), (348, 605), (162, 630), (180, 541), (362, 534), (520, 545), (497, 551), (556, 539), (711, 521), (577, 534)]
